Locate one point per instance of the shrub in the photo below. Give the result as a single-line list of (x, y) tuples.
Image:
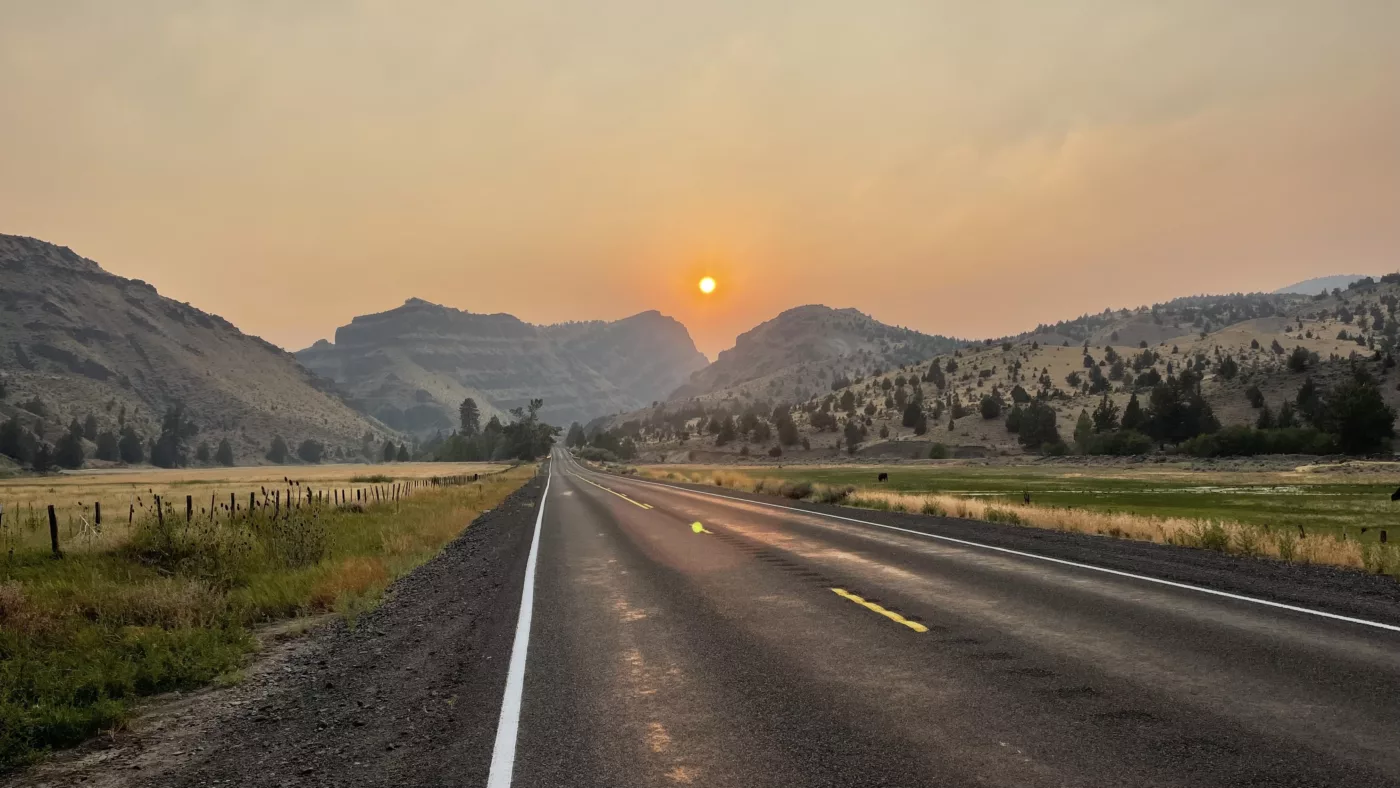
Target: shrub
[(1239, 440), (828, 493), (991, 407), (277, 452), (939, 451), (1122, 443), (795, 490)]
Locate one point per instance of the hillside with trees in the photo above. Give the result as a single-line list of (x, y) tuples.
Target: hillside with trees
[(99, 368), (1205, 376)]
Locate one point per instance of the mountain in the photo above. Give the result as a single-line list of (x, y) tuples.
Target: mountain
[(76, 340), (804, 349), (1357, 328), (1321, 283), (412, 366)]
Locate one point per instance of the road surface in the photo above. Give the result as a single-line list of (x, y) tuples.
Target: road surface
[(680, 637)]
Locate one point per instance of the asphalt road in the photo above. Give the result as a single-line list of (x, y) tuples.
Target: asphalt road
[(776, 647)]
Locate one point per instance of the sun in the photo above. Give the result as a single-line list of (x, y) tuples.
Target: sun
[(707, 285)]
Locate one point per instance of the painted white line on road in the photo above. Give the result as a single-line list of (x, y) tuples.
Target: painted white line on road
[(1023, 554), (508, 728)]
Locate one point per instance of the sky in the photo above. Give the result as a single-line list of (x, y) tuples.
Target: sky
[(963, 168)]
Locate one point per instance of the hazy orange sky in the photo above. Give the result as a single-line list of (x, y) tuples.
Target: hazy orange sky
[(968, 168)]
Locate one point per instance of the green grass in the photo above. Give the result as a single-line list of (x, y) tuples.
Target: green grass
[(1290, 500), (166, 608)]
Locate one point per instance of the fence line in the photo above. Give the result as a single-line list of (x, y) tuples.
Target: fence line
[(297, 496)]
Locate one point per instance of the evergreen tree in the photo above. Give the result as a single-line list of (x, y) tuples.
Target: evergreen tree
[(1265, 420), (911, 415), (12, 443), (1083, 431), (68, 452), (1106, 415), (1228, 368), (310, 451), (1133, 418), (277, 452), (224, 454), (469, 416), (1255, 396), (1038, 430), (1287, 418), (1309, 401), (43, 458), (787, 431), (853, 434), (1019, 395), (402, 456), (1013, 418), (169, 451), (575, 438), (107, 448), (390, 451), (1298, 359), (131, 447), (90, 427), (1356, 413), (990, 407), (727, 431), (202, 453)]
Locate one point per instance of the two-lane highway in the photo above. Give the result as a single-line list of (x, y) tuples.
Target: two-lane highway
[(683, 637)]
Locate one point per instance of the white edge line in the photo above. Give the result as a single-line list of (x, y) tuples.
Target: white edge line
[(508, 728), (1023, 554)]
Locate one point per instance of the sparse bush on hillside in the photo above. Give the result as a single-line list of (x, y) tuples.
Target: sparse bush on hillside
[(939, 451), (202, 453), (1255, 396), (1228, 368), (1299, 359), (990, 407)]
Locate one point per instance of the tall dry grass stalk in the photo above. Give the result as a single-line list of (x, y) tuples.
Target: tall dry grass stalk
[(1222, 535)]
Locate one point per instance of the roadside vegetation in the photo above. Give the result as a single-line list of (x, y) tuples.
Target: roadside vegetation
[(1329, 521), (167, 603)]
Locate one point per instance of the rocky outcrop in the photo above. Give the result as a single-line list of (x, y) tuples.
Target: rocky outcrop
[(410, 367)]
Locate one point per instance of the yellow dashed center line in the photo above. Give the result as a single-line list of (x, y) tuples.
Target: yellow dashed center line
[(890, 614), (614, 492)]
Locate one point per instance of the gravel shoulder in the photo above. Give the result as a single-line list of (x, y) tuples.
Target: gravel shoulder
[(408, 695)]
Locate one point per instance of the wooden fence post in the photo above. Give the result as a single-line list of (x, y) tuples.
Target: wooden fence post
[(189, 507), (97, 511), (53, 532), (160, 511)]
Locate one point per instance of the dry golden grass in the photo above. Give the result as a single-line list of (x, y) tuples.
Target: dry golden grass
[(1213, 534), (126, 495)]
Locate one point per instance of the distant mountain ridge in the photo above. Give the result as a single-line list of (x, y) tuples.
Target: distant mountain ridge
[(413, 365), (81, 341), (803, 348), (1321, 283)]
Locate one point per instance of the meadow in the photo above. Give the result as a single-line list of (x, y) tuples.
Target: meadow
[(1340, 515), (164, 603)]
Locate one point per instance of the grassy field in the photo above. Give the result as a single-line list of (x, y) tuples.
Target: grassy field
[(1317, 500), (164, 604), (1312, 514)]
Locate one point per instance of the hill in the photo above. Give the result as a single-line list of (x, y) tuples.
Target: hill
[(412, 366), (803, 350), (1070, 364), (76, 341), (1321, 284)]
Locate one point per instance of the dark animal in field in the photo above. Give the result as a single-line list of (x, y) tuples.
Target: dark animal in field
[(884, 477), (1395, 496)]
